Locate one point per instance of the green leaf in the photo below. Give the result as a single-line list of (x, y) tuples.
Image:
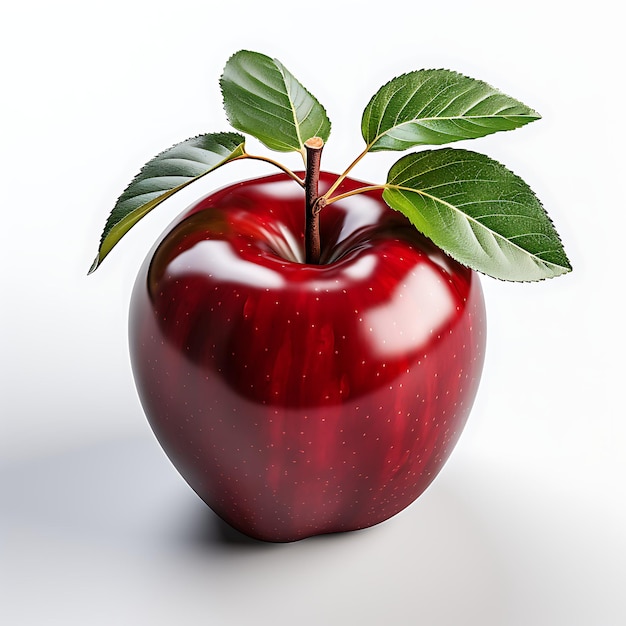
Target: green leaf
[(434, 107), (478, 212), (162, 177), (263, 99)]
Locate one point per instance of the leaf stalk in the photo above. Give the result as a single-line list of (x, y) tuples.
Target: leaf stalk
[(343, 176), (277, 164), (354, 192)]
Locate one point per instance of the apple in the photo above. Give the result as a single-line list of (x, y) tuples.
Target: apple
[(299, 399), (307, 347)]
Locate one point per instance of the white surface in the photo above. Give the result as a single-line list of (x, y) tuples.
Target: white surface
[(526, 523), (108, 534)]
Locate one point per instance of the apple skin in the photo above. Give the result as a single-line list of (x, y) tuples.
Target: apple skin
[(299, 399)]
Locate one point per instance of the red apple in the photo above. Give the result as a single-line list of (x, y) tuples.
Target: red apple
[(304, 399)]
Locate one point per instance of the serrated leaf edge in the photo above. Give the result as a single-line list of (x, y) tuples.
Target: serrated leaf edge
[(297, 124), (371, 147), (561, 269), (129, 220)]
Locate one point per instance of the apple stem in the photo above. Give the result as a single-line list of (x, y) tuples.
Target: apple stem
[(312, 243)]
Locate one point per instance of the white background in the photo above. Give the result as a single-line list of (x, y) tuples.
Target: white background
[(524, 526)]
